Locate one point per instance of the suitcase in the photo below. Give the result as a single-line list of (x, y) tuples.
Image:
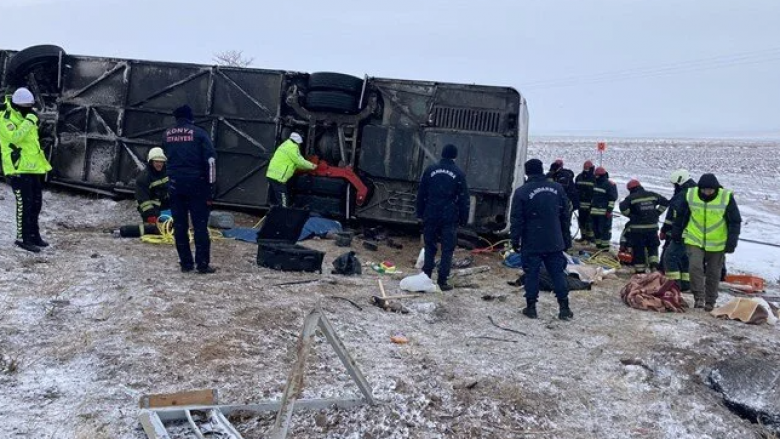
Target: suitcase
[(276, 242)]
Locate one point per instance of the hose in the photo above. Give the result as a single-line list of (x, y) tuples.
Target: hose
[(166, 234), (602, 258)]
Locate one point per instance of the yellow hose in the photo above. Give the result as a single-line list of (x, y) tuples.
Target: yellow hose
[(166, 234)]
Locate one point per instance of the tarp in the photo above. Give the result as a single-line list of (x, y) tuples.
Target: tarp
[(314, 227)]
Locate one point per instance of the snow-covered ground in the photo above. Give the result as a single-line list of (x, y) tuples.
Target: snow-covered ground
[(94, 322), (749, 168)]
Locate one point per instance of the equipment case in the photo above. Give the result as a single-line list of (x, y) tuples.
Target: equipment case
[(276, 242)]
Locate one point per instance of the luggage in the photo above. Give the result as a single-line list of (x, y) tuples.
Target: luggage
[(276, 242)]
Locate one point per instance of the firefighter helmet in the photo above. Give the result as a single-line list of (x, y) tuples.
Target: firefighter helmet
[(679, 176)]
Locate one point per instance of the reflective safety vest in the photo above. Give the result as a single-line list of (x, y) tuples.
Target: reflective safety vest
[(286, 160), (707, 227), (19, 144)]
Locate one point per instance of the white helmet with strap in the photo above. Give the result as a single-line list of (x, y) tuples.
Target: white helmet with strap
[(295, 137), (679, 176)]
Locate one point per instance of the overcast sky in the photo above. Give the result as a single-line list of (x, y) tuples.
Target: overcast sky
[(595, 67)]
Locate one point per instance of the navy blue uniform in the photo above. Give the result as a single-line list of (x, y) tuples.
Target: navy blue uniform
[(643, 208), (674, 258), (540, 224), (191, 171), (442, 203)]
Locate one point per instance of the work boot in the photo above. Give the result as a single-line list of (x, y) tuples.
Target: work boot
[(30, 247), (38, 241), (187, 269), (698, 303), (709, 307), (564, 312), (207, 270), (445, 287), (530, 309)]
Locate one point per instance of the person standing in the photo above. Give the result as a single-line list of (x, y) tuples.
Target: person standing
[(709, 223), (601, 206), (442, 204), (286, 160), (539, 230), (192, 174), (674, 259), (151, 187), (643, 208), (24, 165), (565, 177), (585, 182)]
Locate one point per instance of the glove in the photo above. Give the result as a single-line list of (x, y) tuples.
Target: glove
[(609, 214), (516, 247), (32, 118), (730, 248), (662, 236), (151, 220)]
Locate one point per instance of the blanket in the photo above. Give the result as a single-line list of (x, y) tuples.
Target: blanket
[(653, 292)]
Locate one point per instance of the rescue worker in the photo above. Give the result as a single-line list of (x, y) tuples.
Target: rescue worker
[(151, 187), (565, 177), (539, 230), (584, 182), (603, 202), (674, 259), (286, 160), (24, 165), (708, 222), (643, 209), (192, 173), (442, 204)]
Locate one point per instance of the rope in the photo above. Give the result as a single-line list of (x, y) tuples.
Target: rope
[(166, 234), (602, 258)]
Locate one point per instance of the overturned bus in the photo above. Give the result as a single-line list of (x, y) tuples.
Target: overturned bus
[(100, 116)]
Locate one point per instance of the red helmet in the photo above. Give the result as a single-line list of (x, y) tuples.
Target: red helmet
[(587, 165), (632, 184), (600, 171), (559, 162)]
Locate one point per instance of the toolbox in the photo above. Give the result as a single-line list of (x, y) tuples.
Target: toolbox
[(276, 242)]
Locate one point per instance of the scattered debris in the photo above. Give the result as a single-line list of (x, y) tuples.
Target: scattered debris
[(348, 300), (635, 362), (490, 297), (750, 388), (392, 244), (399, 339), (505, 328), (189, 397), (486, 337), (296, 282), (370, 245)]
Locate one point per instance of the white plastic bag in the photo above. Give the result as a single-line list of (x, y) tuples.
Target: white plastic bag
[(420, 259), (418, 283)]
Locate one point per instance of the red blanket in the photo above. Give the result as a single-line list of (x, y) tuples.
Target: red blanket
[(653, 292)]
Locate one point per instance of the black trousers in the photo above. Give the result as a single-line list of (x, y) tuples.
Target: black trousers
[(280, 195), (189, 199), (28, 189), (602, 230), (439, 231), (586, 224), (644, 248), (675, 260)]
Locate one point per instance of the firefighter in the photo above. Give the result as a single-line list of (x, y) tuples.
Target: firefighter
[(584, 183), (674, 259), (540, 231), (601, 206), (24, 165), (286, 160), (708, 222), (192, 174), (442, 204), (565, 177), (643, 208), (151, 187)]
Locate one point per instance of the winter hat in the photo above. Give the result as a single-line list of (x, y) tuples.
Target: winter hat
[(449, 152), (709, 181), (183, 112), (600, 171), (633, 183), (556, 165), (534, 167)]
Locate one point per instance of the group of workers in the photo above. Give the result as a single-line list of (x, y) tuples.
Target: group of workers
[(702, 221)]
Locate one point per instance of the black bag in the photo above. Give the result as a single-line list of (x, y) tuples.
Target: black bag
[(347, 264), (276, 242)]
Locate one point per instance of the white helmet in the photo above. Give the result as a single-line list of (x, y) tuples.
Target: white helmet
[(295, 137), (156, 154), (23, 97), (679, 176)]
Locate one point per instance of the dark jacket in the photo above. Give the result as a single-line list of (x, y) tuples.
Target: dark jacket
[(565, 177), (584, 182), (190, 153), (540, 219), (151, 192), (443, 194), (674, 205), (604, 196), (732, 217), (643, 209)]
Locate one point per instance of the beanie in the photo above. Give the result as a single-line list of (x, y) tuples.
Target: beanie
[(449, 152), (534, 167), (708, 181), (183, 112)]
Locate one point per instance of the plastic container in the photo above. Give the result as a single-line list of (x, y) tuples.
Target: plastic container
[(754, 282)]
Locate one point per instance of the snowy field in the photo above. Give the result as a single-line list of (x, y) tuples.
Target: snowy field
[(93, 323), (751, 169)]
